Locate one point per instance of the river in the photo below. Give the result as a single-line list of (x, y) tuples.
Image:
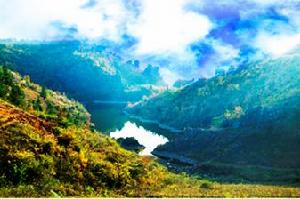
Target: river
[(109, 118)]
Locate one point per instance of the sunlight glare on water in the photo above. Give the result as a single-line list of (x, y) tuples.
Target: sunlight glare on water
[(148, 139)]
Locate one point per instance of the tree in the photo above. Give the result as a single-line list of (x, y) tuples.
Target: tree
[(27, 80), (50, 108), (37, 105), (43, 92), (6, 76), (4, 89), (17, 95), (6, 80)]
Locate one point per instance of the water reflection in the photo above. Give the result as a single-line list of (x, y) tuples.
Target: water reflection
[(148, 139), (107, 117)]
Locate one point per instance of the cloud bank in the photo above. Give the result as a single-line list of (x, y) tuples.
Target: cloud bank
[(185, 38)]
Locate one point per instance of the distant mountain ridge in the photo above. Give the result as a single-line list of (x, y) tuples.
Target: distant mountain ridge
[(83, 71), (260, 84)]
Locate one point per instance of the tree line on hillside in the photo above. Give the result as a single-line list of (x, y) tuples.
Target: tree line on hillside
[(9, 89)]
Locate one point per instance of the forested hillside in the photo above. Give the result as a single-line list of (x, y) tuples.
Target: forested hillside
[(42, 102), (249, 117)]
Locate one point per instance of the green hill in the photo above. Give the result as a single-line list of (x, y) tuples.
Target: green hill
[(249, 117)]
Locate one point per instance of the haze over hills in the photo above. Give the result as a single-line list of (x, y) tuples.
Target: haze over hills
[(84, 71)]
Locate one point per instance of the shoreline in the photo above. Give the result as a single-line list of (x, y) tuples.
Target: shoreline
[(171, 157), (109, 102), (160, 125)]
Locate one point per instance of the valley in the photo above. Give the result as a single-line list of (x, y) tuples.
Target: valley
[(149, 99)]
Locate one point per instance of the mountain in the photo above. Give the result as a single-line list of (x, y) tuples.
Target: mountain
[(248, 119), (84, 71), (48, 150)]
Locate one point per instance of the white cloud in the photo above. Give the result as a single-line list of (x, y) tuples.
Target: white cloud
[(25, 19), (277, 45), (165, 26), (164, 29), (148, 139), (162, 26), (266, 2), (224, 56), (225, 52), (293, 15), (274, 2), (31, 19), (168, 76)]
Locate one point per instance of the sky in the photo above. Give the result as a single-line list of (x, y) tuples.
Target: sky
[(185, 38)]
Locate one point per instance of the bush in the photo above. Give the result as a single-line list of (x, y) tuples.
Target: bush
[(206, 185)]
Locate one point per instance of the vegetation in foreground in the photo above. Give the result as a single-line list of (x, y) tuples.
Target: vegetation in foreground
[(42, 156)]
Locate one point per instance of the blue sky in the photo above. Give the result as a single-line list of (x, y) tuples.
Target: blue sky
[(186, 38)]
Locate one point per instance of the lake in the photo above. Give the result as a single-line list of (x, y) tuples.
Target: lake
[(110, 119)]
